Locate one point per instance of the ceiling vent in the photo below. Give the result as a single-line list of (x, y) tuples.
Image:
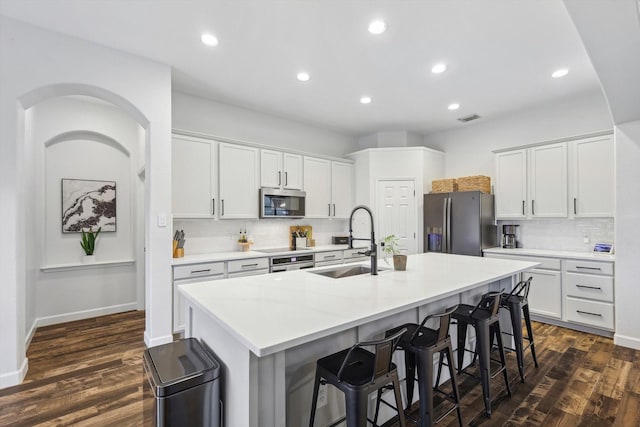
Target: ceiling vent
[(468, 118)]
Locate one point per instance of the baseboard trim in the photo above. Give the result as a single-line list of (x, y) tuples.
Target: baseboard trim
[(152, 342), (626, 341), (29, 337), (85, 314), (14, 378)]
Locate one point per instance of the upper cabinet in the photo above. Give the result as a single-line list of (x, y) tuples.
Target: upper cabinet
[(280, 170), (592, 177), (560, 180), (239, 184), (329, 188), (194, 177)]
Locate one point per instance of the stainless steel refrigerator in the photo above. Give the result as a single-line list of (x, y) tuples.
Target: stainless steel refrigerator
[(459, 223)]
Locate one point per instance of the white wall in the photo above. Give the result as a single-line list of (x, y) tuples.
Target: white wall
[(217, 119), (36, 65), (469, 148), (79, 138)]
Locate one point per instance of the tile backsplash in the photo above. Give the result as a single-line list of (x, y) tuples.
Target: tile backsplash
[(204, 236), (563, 234)]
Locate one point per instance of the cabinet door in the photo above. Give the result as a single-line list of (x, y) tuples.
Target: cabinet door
[(317, 184), (511, 184), (548, 180), (270, 168), (545, 294), (238, 181), (292, 166), (193, 178), (592, 177), (341, 189)]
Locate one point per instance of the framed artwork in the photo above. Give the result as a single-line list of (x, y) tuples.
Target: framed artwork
[(88, 204)]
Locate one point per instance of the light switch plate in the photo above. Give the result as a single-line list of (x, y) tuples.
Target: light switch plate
[(162, 220)]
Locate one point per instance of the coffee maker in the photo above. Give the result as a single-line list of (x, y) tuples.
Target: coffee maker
[(509, 236)]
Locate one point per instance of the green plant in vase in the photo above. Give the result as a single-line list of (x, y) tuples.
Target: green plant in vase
[(391, 246), (88, 241)]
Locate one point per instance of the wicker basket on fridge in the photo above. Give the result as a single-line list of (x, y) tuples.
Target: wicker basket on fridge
[(475, 183), (447, 185)]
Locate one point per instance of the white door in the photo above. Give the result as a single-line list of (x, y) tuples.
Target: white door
[(397, 213), (545, 294)]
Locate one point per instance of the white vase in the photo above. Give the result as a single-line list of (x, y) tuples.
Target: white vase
[(89, 259)]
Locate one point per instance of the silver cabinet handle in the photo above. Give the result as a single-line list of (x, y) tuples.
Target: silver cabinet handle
[(249, 265), (334, 209), (329, 205), (579, 267), (222, 213), (286, 178), (575, 209), (588, 287), (523, 207), (328, 256), (213, 206), (279, 178), (533, 207), (590, 314), (200, 271)]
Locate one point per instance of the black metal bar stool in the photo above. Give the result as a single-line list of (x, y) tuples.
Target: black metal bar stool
[(420, 344), (484, 318), (517, 304), (357, 373)]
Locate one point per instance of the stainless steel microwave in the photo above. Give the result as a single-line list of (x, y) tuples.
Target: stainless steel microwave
[(276, 203)]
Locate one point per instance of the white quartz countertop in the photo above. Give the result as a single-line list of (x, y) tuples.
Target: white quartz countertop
[(551, 253), (227, 256), (272, 312)]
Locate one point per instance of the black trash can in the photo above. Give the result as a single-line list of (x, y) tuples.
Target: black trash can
[(185, 380)]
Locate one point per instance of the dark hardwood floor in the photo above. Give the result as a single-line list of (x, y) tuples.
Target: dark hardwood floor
[(90, 373)]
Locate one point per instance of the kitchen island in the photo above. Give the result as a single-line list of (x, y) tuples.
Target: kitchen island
[(269, 330)]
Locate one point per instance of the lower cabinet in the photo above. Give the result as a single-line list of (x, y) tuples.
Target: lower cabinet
[(572, 291), (190, 273)]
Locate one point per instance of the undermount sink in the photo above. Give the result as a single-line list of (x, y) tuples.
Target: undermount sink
[(339, 272)]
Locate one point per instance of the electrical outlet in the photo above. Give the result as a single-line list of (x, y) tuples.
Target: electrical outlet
[(585, 237), (322, 395)]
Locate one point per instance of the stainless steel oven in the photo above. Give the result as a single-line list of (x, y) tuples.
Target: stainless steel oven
[(290, 262)]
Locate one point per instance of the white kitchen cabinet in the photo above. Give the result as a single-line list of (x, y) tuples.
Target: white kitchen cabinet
[(329, 188), (592, 177), (191, 273), (548, 181), (532, 182), (239, 184), (545, 293), (317, 185), (341, 189), (280, 170), (511, 184), (194, 183)]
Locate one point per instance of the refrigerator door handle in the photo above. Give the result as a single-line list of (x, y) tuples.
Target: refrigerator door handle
[(444, 225), (449, 225)]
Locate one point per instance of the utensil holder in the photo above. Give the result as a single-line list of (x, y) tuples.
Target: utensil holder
[(177, 252), (301, 242)]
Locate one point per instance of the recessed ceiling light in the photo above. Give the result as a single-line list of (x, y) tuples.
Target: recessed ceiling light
[(453, 106), (377, 27), (560, 73), (365, 100), (209, 39), (438, 68), (303, 77)]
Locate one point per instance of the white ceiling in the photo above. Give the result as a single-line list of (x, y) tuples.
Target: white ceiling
[(500, 54)]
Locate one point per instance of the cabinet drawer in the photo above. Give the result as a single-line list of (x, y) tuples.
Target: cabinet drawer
[(593, 267), (353, 253), (248, 273), (247, 264), (590, 286), (329, 256), (197, 270), (545, 263), (592, 313)]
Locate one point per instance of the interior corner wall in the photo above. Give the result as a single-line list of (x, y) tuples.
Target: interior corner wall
[(627, 137), (213, 118), (38, 64), (469, 148), (70, 294)]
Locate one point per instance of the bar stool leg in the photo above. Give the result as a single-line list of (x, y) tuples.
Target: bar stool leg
[(356, 405), (462, 338), (516, 325), (482, 340), (378, 399), (527, 321), (314, 403), (398, 395), (454, 382), (410, 375), (503, 359), (425, 387)]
